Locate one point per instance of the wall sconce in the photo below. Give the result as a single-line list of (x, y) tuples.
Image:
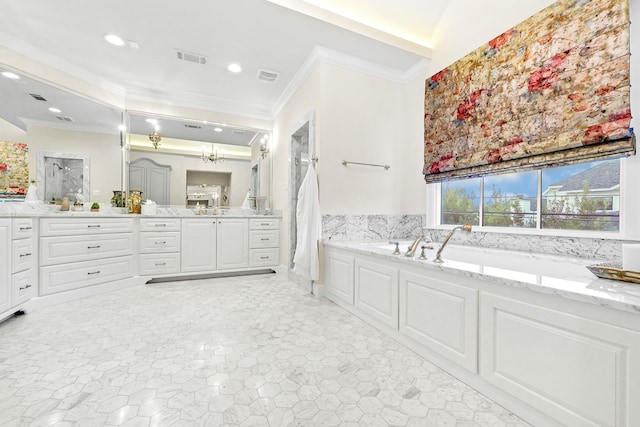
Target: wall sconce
[(155, 137), (264, 149), (213, 156)]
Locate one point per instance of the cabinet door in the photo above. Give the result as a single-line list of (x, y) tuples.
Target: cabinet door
[(198, 245), (233, 243), (5, 264), (376, 291), (339, 275), (441, 315)]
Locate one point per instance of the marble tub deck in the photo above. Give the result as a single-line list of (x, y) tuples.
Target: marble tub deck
[(250, 351), (564, 276)]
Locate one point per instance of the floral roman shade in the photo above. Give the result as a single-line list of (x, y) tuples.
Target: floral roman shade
[(553, 90)]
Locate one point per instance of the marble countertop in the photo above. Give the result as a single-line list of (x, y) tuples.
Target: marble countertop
[(567, 277), (42, 210)]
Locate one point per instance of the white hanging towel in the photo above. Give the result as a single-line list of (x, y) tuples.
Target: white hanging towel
[(309, 224)]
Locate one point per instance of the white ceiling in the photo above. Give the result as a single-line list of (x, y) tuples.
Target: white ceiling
[(276, 35)]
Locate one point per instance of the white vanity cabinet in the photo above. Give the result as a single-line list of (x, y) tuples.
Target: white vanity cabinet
[(5, 265), (198, 245), (264, 242), (232, 241), (17, 264), (159, 244), (81, 252), (24, 261)]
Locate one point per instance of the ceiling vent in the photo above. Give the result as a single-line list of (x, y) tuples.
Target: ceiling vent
[(192, 126), (267, 76), (64, 118), (191, 57), (38, 97)]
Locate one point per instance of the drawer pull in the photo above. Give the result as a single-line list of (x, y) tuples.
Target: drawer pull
[(93, 272), (158, 264), (27, 254), (25, 228), (161, 225), (93, 226), (93, 247), (26, 287), (264, 257), (265, 239), (264, 223), (160, 243)]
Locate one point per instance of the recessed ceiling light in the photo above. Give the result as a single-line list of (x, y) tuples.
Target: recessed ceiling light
[(152, 121), (234, 68), (10, 75), (218, 129), (55, 110), (114, 40)]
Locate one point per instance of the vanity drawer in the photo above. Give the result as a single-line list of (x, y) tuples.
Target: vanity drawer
[(152, 264), (76, 226), (22, 228), (264, 223), (59, 278), (58, 250), (159, 242), (160, 224), (23, 253), (264, 239), (264, 257), (22, 284)]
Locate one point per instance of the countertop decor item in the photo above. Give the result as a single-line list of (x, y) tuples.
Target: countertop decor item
[(614, 271), (64, 206), (135, 202), (95, 207)]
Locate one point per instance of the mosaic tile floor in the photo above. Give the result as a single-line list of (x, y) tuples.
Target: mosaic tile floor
[(249, 351)]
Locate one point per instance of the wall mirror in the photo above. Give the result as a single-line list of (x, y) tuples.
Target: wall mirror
[(63, 132), (193, 162)]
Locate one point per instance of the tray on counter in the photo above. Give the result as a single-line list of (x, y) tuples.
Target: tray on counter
[(614, 271)]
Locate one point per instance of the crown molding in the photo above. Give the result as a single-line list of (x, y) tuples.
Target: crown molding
[(328, 56)]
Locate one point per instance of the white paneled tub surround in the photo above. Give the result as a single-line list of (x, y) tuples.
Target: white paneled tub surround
[(540, 334)]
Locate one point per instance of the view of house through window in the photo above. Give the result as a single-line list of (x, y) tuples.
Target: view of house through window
[(584, 196)]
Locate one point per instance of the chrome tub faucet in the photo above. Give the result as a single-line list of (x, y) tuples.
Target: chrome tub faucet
[(466, 228)]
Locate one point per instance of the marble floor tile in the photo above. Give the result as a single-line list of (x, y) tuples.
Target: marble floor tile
[(239, 351)]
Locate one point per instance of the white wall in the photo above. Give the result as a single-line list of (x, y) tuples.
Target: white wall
[(11, 133), (103, 150)]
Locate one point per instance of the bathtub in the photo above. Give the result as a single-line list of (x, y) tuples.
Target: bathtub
[(547, 273)]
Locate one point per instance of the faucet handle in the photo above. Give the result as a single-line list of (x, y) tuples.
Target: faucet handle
[(396, 251), (422, 255)]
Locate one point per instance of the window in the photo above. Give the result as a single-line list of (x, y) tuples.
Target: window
[(583, 196)]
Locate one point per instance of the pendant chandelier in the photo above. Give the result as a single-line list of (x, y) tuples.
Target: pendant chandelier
[(213, 156)]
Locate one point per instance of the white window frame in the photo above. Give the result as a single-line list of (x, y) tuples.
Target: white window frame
[(629, 210)]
